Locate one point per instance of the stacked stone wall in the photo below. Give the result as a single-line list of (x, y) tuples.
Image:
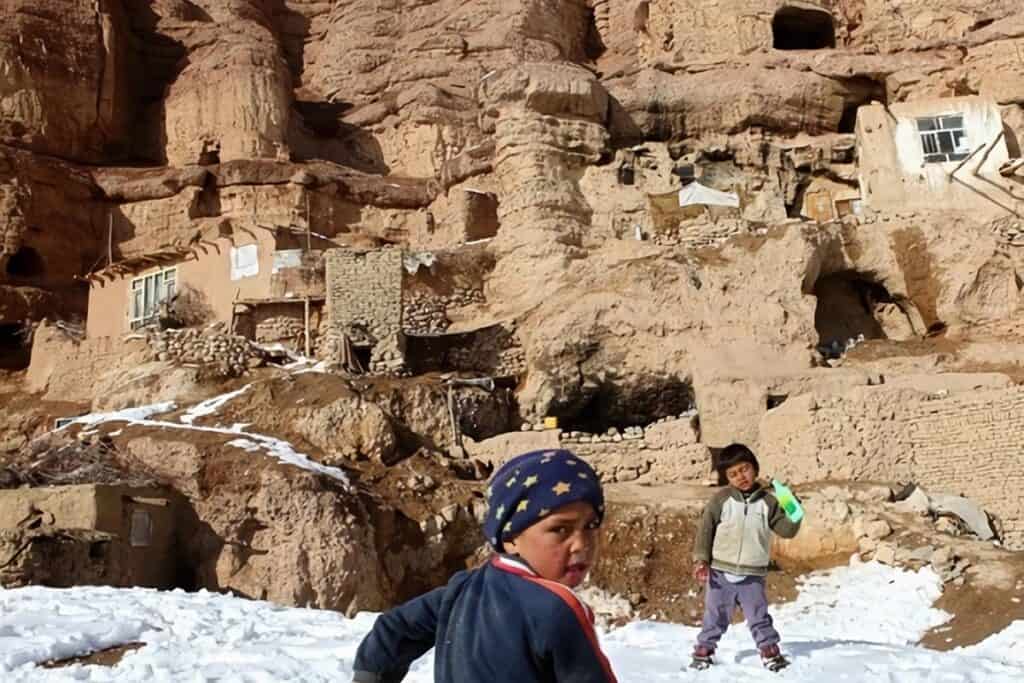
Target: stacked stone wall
[(364, 294)]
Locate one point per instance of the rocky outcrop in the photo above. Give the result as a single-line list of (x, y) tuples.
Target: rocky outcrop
[(50, 232), (549, 122), (65, 83), (266, 531)]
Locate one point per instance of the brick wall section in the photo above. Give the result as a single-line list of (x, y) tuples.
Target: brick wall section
[(364, 289), (974, 445), (970, 444)]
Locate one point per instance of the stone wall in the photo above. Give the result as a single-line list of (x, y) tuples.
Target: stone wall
[(227, 355), (283, 323), (664, 452), (426, 314), (494, 350), (364, 294), (963, 443)]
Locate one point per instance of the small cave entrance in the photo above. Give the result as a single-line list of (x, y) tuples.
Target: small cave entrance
[(859, 91), (799, 28), (853, 308), (848, 121), (626, 405), (26, 263), (15, 350), (593, 43)]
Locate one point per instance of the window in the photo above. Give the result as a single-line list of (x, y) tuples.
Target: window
[(245, 261), (148, 292), (943, 138), (141, 531)]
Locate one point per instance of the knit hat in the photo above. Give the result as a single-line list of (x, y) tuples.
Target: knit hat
[(734, 454), (531, 486)]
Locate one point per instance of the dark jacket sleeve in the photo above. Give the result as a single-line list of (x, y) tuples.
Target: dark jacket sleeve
[(398, 638), (777, 519), (565, 643), (705, 538)]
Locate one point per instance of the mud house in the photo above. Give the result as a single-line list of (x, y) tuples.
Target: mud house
[(257, 279), (104, 534), (936, 154)]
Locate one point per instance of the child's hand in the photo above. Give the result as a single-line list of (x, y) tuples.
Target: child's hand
[(701, 572)]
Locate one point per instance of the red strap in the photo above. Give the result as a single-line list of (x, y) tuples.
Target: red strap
[(582, 612)]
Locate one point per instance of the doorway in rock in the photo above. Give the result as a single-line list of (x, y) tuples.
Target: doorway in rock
[(801, 28), (852, 307), (15, 351), (634, 403), (25, 264)]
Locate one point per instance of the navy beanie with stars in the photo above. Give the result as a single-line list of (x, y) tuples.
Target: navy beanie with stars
[(530, 486)]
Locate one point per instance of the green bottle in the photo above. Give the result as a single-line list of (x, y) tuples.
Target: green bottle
[(790, 505)]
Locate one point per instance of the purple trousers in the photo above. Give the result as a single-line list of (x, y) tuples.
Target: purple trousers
[(720, 600)]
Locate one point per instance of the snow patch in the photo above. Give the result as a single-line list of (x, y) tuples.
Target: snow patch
[(126, 415), (211, 405), (856, 623)]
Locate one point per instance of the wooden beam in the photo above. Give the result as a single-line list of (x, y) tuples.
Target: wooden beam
[(306, 317)]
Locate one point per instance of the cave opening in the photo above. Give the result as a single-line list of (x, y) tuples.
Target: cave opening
[(26, 263), (15, 350), (618, 405), (852, 308), (798, 28)]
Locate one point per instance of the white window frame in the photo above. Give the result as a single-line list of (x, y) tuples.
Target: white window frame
[(144, 303), (944, 138)]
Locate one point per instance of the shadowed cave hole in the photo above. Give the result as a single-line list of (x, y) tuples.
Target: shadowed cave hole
[(851, 308), (15, 350), (25, 263), (797, 28), (620, 406)]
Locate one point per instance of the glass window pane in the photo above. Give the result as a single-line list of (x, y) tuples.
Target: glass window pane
[(927, 123), (952, 122), (946, 142), (929, 143), (960, 140)]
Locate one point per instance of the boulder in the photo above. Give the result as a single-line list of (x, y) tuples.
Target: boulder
[(970, 512)]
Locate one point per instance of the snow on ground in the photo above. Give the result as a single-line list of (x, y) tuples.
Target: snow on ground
[(211, 405), (274, 447), (856, 624), (126, 415)]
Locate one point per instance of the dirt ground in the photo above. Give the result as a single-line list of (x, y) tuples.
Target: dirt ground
[(108, 657), (979, 608)]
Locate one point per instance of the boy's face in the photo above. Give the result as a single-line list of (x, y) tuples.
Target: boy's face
[(741, 476), (561, 547)]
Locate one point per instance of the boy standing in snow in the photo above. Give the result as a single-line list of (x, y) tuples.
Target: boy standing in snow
[(515, 619), (732, 552)]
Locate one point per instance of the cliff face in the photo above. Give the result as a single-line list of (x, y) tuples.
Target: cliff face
[(127, 125)]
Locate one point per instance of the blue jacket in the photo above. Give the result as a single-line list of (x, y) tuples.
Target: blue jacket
[(500, 623)]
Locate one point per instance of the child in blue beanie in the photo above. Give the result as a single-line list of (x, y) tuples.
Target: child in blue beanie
[(515, 619)]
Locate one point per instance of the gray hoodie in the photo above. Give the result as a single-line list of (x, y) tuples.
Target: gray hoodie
[(735, 531)]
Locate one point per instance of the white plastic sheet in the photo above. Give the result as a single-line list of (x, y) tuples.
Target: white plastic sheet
[(695, 193)]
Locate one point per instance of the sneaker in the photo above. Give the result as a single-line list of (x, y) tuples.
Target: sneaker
[(772, 658), (702, 657)]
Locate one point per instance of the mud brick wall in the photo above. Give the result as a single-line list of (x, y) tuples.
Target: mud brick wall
[(974, 445), (364, 291), (970, 443), (66, 369)]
